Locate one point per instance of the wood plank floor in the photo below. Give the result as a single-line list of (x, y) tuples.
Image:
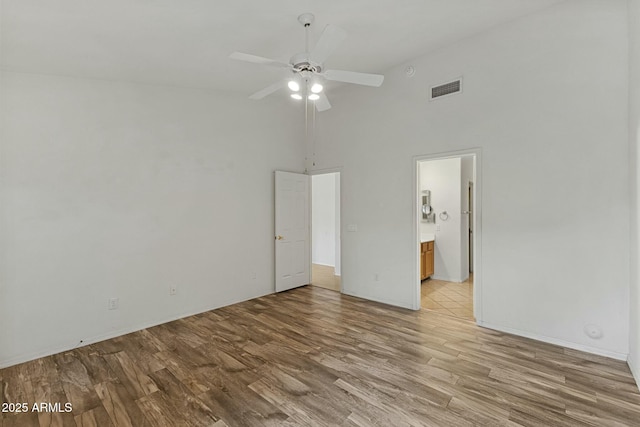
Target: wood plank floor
[(313, 357)]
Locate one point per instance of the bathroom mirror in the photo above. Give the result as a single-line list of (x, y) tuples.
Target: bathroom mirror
[(427, 211)]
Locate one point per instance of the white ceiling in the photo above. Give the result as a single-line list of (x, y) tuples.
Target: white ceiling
[(187, 42)]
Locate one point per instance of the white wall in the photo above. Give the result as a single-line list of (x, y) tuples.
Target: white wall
[(545, 98), (634, 142), (467, 176), (323, 219), (121, 190), (442, 178)]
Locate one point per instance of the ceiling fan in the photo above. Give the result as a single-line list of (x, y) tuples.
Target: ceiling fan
[(307, 68)]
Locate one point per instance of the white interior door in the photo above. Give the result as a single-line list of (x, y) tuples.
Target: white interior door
[(293, 261)]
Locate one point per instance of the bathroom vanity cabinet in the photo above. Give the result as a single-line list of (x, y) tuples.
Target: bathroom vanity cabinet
[(426, 259)]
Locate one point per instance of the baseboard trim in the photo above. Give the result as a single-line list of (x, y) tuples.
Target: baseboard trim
[(635, 371), (549, 340), (387, 302), (113, 334), (445, 279)]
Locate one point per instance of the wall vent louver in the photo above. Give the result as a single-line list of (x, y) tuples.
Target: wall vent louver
[(445, 89)]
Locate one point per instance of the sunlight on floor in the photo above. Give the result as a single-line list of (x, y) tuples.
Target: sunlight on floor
[(324, 277)]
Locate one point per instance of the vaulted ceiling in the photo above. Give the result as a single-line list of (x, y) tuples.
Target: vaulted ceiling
[(187, 42)]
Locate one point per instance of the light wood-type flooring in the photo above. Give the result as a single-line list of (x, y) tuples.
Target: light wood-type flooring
[(313, 357), (454, 299), (324, 276)]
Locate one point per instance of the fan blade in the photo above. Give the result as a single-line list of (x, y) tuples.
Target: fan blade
[(239, 56), (267, 90), (329, 40), (353, 77), (322, 103)]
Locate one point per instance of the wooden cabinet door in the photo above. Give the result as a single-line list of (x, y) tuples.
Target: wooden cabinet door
[(428, 255), (423, 261)]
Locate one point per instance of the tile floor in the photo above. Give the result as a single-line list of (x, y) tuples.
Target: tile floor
[(455, 299)]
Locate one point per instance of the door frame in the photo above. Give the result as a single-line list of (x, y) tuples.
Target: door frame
[(471, 199), (477, 224), (339, 171)]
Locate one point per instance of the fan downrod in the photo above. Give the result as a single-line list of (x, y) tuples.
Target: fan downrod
[(301, 62)]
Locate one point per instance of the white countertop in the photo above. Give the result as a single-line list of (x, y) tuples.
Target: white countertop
[(427, 237)]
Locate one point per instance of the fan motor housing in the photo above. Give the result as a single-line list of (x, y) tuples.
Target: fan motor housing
[(301, 62)]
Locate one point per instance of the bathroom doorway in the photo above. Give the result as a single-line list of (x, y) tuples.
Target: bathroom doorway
[(447, 207)]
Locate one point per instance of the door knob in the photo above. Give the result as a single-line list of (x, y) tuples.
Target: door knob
[(278, 237)]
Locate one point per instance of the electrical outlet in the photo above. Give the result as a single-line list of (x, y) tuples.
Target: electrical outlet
[(437, 228), (173, 290), (376, 277), (114, 303), (253, 275)]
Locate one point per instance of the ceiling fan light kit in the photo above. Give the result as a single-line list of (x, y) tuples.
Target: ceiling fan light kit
[(293, 85), (308, 67)]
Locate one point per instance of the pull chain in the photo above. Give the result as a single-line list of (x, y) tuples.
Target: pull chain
[(313, 135)]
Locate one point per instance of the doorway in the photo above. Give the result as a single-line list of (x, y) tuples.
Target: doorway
[(446, 234), (325, 231)]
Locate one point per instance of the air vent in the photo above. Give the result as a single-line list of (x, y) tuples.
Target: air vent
[(446, 89)]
